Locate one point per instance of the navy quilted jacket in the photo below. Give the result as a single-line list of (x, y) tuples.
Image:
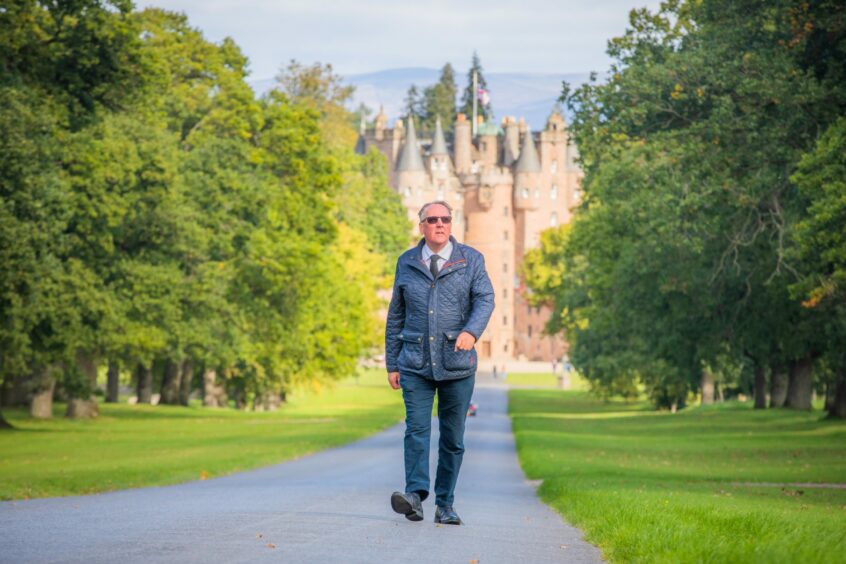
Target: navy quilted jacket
[(427, 315)]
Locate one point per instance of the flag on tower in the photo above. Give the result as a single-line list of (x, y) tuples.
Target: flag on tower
[(483, 96)]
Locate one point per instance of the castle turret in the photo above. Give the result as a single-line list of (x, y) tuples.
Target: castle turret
[(527, 175), (439, 157), (488, 133), (380, 123), (511, 142), (410, 159), (461, 146)]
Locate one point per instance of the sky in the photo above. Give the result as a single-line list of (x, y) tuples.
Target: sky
[(545, 36)]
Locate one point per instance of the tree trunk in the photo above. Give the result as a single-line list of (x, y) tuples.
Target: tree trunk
[(778, 386), (171, 383), (838, 406), (144, 388), (800, 383), (112, 382), (185, 382), (41, 405), (82, 409), (85, 407), (760, 386), (214, 395), (707, 388)]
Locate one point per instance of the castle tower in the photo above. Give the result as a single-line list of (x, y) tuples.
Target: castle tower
[(463, 139), (527, 176), (381, 123), (511, 142), (412, 180)]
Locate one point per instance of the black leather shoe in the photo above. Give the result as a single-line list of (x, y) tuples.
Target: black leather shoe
[(408, 504), (447, 516)]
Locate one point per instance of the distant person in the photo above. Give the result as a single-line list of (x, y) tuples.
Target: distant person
[(441, 303), (494, 372), (504, 373)]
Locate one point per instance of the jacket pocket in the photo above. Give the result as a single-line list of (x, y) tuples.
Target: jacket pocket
[(457, 360), (411, 355)]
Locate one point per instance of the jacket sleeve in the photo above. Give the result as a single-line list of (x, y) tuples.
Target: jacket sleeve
[(394, 325), (481, 300)]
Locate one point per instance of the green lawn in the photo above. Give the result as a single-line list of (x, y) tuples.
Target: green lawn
[(141, 445), (656, 487), (542, 380)]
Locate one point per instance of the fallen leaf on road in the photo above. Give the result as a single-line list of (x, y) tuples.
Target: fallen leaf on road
[(258, 536), (473, 561), (563, 546), (270, 545), (204, 475)]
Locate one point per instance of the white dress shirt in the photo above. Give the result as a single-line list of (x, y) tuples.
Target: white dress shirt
[(444, 255)]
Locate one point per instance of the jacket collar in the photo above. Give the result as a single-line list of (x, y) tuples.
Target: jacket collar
[(456, 260)]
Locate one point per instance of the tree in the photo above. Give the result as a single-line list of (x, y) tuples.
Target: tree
[(680, 252), (439, 101), (466, 105)]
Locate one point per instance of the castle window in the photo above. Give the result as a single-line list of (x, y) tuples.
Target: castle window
[(505, 267), (577, 194), (505, 292), (553, 220), (505, 211), (440, 193), (553, 193), (553, 168), (505, 320), (443, 164), (406, 191), (529, 310), (524, 193), (505, 235), (474, 168), (530, 330)]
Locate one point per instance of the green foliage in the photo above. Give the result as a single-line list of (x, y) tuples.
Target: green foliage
[(153, 209), (655, 487), (439, 102), (467, 97), (681, 250)]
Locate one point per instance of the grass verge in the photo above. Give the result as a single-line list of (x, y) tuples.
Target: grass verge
[(657, 487), (140, 445)]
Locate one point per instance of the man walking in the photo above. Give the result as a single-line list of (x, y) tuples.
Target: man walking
[(442, 301)]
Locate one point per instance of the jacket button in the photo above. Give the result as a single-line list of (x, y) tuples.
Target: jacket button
[(431, 311), (431, 338)]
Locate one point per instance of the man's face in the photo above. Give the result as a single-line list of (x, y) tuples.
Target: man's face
[(436, 234)]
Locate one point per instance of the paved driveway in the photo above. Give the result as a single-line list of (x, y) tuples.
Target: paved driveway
[(332, 506)]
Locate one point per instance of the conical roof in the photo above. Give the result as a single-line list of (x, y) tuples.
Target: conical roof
[(528, 160), (439, 144), (410, 159)]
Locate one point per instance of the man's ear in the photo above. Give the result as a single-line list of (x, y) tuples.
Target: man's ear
[(420, 227)]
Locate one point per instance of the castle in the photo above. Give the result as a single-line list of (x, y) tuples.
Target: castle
[(505, 186)]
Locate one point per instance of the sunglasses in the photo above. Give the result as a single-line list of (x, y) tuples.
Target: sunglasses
[(432, 220)]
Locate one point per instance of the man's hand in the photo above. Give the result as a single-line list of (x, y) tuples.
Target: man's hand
[(465, 341), (393, 380)]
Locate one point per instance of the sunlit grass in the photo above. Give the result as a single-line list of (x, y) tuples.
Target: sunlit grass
[(142, 445), (660, 487)]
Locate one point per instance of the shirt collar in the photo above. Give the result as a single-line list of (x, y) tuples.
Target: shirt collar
[(444, 253)]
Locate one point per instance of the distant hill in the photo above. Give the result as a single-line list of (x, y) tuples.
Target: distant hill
[(528, 95)]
